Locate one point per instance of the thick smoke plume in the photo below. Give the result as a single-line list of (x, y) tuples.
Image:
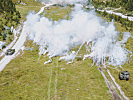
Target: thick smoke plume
[(59, 37), (64, 1)]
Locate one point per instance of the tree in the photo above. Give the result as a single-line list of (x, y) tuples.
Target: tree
[(9, 16), (129, 5)]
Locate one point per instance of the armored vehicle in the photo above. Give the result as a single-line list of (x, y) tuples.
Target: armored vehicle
[(124, 75), (3, 46), (10, 51)]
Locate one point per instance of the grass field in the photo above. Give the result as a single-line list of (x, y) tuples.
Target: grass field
[(24, 10), (57, 13), (27, 78), (31, 5)]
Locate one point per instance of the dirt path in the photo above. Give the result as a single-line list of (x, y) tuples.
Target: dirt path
[(118, 14), (112, 85), (118, 87), (112, 90)]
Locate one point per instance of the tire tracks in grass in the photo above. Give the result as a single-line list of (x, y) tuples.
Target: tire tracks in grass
[(49, 84), (56, 80), (112, 90)]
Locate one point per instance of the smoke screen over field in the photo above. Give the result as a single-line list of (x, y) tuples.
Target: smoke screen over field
[(58, 38), (64, 1)]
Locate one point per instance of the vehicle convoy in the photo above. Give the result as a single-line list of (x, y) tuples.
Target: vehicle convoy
[(10, 52), (124, 75)]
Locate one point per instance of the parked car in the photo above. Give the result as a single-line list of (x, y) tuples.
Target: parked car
[(10, 52), (124, 75)]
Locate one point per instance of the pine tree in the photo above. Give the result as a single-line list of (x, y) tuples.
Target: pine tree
[(130, 5), (8, 17)]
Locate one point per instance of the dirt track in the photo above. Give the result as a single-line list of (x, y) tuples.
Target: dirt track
[(112, 85)]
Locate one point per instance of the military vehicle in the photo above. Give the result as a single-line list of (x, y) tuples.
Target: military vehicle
[(124, 75), (10, 52), (3, 46)]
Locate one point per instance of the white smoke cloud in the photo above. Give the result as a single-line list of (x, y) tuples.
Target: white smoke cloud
[(64, 1), (57, 38)]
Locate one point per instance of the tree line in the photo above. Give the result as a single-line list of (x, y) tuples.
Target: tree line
[(9, 16), (127, 4)]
